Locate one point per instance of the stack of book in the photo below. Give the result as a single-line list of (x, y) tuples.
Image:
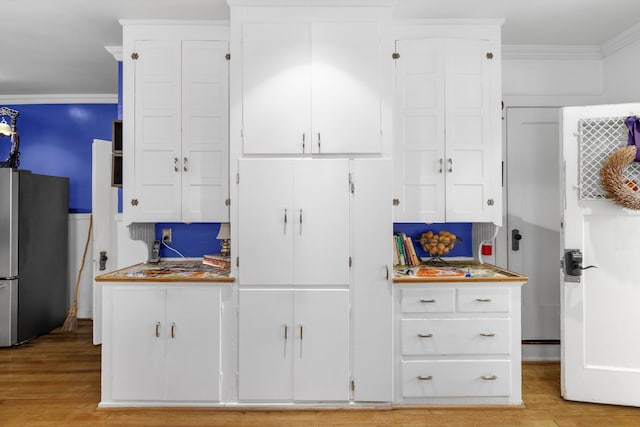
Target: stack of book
[(218, 262), (404, 252)]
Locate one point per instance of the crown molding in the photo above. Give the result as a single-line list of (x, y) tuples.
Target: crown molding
[(115, 51), (621, 41), (100, 98), (556, 52)]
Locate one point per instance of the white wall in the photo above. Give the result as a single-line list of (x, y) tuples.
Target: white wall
[(622, 74), (78, 228)]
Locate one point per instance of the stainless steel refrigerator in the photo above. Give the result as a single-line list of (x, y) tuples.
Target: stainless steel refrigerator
[(34, 289)]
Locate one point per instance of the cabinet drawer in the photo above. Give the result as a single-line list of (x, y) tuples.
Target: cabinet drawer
[(428, 300), (456, 378), (455, 336), (483, 300)]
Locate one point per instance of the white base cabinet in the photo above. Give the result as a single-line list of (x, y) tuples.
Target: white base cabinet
[(161, 343), (458, 343), (294, 345)]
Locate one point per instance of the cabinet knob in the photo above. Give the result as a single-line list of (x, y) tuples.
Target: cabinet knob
[(184, 165), (176, 168), (490, 334), (425, 377), (483, 299), (425, 335), (450, 161), (173, 330), (489, 377), (157, 329), (428, 300), (396, 202)]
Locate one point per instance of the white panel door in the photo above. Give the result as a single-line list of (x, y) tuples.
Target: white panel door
[(193, 344), (533, 143), (138, 347), (265, 221), (346, 80), (205, 135), (321, 222), (469, 165), (276, 88), (371, 295), (419, 131), (321, 349), (600, 316), (265, 340), (157, 173)]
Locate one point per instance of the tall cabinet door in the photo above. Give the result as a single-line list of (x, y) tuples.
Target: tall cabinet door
[(265, 343), (419, 131), (276, 80), (346, 68), (321, 349), (137, 351), (265, 221), (321, 222), (468, 124), (193, 349), (205, 135), (157, 99)]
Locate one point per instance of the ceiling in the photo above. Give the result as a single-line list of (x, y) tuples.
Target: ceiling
[(57, 47)]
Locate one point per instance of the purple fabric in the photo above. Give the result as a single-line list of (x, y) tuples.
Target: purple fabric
[(634, 133)]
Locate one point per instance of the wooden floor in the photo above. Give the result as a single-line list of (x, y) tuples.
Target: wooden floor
[(55, 381)]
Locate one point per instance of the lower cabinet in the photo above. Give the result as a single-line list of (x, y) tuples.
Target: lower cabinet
[(458, 343), (161, 343), (294, 345)]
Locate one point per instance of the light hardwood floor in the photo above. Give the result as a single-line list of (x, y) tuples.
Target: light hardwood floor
[(54, 380)]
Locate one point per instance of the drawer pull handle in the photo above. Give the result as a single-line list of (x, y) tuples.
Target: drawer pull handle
[(173, 330), (483, 299), (425, 378), (427, 300), (425, 335), (491, 334), (157, 329), (489, 377)]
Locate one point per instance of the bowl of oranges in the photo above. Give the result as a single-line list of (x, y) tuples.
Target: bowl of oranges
[(438, 244)]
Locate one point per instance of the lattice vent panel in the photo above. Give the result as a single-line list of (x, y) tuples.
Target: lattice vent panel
[(598, 139)]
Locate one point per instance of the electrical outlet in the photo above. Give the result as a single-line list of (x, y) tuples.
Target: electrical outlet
[(166, 235)]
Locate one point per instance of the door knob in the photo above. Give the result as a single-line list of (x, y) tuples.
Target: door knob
[(515, 239)]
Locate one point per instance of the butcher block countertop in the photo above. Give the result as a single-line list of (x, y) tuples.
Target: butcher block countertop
[(168, 271), (454, 271)]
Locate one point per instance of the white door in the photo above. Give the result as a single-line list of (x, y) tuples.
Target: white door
[(533, 197), (600, 316), (321, 345), (138, 351), (265, 221), (276, 88), (265, 340), (321, 222), (157, 157), (346, 82), (193, 344), (205, 135)]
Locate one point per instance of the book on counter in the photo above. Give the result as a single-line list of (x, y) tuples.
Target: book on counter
[(404, 251), (217, 261)]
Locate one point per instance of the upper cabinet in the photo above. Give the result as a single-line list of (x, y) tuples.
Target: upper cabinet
[(447, 148), (176, 124), (312, 83)]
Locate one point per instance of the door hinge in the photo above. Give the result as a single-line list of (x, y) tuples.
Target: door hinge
[(237, 178), (237, 261), (396, 202), (135, 55), (395, 55), (489, 55), (350, 261), (227, 202), (227, 56)]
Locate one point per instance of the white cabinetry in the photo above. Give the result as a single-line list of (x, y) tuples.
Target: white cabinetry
[(160, 343), (294, 345), (311, 87), (175, 124), (447, 141), (293, 222), (458, 343)]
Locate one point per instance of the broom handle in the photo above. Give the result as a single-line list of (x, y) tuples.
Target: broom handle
[(84, 256)]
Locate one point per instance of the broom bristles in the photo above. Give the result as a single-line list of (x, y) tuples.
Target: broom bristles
[(71, 322)]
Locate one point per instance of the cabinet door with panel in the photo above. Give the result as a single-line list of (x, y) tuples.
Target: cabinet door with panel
[(162, 343), (311, 88), (294, 345), (294, 222), (447, 148), (178, 169)]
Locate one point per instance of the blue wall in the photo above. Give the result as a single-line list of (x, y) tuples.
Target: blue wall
[(191, 240), (462, 230), (56, 139)]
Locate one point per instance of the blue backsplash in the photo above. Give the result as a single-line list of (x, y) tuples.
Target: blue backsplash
[(191, 240), (462, 230)]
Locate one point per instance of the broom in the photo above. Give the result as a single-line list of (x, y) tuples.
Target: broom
[(71, 322)]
